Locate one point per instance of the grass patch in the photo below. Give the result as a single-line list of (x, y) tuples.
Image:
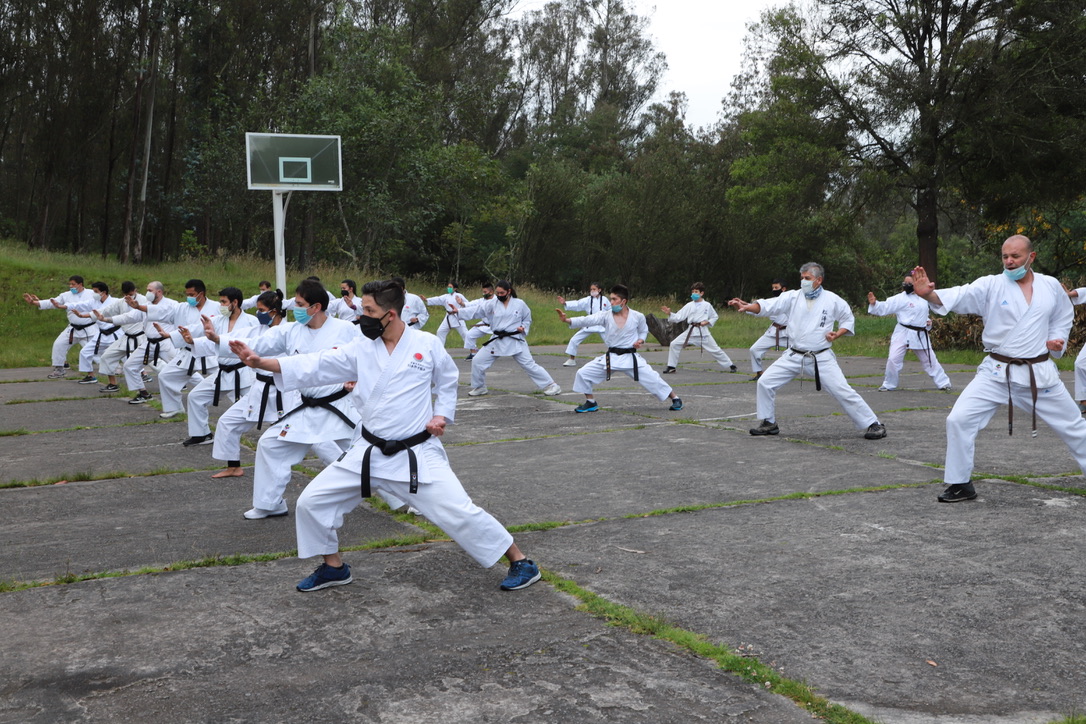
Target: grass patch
[(742, 665), (14, 433), (85, 477)]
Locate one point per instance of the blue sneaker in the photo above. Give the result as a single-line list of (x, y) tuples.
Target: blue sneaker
[(587, 406), (676, 405), (522, 574), (326, 576)]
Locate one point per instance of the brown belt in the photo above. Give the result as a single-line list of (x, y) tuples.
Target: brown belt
[(1030, 361), (777, 328)]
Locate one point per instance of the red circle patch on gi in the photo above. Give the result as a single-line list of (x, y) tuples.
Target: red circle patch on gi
[(418, 355)]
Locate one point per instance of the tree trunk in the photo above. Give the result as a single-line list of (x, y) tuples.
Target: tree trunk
[(927, 231)]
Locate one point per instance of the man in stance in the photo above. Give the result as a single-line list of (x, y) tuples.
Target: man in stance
[(594, 303), (911, 332), (624, 331), (775, 336), (701, 316), (405, 391), (812, 312), (81, 331), (1027, 317)]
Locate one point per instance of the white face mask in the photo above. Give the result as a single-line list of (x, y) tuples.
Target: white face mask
[(807, 285), (594, 293), (224, 310)]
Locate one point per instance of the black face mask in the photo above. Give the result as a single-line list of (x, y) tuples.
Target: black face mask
[(502, 298), (777, 292), (907, 288), (345, 292), (487, 296), (371, 327)]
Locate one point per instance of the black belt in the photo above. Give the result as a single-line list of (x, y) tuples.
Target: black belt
[(73, 327), (1029, 362), (237, 381), (778, 328), (130, 343), (622, 350), (104, 333), (390, 448), (927, 339), (501, 334), (813, 354), (324, 403), (269, 382), (192, 363), (157, 342)]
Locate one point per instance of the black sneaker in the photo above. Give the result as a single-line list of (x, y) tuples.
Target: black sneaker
[(766, 428), (109, 388), (757, 376), (140, 398), (89, 380), (876, 431), (146, 377), (199, 440), (676, 404), (733, 368), (958, 492), (669, 370)]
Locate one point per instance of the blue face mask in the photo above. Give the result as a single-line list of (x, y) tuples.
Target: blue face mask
[(695, 297), (301, 316), (73, 290), (616, 308), (191, 301), (1016, 274), (264, 318)]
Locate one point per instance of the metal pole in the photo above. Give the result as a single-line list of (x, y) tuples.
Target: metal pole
[(279, 215)]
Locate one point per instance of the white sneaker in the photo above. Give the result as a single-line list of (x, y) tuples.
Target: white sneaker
[(553, 389), (478, 391), (570, 363), (260, 513), (58, 373), (168, 415), (884, 388)]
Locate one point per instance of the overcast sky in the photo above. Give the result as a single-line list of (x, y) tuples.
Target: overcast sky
[(703, 41)]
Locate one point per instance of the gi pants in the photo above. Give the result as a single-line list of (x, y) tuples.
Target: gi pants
[(61, 345), (704, 340), (474, 333), (175, 376), (595, 372), (133, 366), (580, 336), (895, 360), (790, 365), (337, 491), (482, 362), (201, 397), (984, 396), (1080, 375), (110, 362), (765, 343), (87, 357), (459, 326), (276, 455)]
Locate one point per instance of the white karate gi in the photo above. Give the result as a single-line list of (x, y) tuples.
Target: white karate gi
[(414, 307), (453, 320), (341, 308), (105, 333), (231, 373), (421, 383), (775, 336), (809, 320), (480, 329), (1014, 329), (287, 441), (79, 330), (1080, 361), (506, 317), (128, 337), (152, 346), (697, 336), (589, 305), (186, 367), (595, 371), (913, 311)]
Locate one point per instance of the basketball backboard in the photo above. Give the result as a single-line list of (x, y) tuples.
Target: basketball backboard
[(289, 161)]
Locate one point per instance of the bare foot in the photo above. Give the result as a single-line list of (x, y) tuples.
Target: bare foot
[(229, 473)]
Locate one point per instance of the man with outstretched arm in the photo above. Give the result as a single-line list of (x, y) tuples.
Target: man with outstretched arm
[(405, 392), (910, 332), (1027, 317)]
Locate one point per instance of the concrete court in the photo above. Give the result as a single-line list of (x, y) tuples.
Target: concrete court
[(900, 608)]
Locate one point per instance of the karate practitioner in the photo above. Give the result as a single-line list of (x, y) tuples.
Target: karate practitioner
[(91, 353), (812, 311), (415, 313), (1027, 317), (186, 367), (624, 331), (231, 377), (324, 413), (511, 320), (155, 349), (263, 286), (79, 331), (1078, 296), (594, 303), (775, 336), (453, 302), (348, 307), (481, 328), (701, 316), (910, 332), (404, 386), (109, 363)]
